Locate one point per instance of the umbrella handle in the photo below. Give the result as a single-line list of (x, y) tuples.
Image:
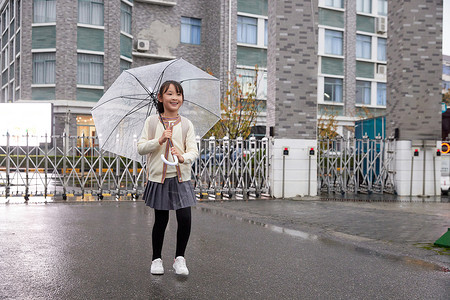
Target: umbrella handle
[(174, 163)]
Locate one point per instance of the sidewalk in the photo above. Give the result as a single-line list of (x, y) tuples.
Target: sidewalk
[(395, 227)]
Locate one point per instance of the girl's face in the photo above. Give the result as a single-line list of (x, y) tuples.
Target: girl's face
[(171, 100)]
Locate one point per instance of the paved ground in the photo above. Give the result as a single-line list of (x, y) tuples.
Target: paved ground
[(238, 250), (401, 228)]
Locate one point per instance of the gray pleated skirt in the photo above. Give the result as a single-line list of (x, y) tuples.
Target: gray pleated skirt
[(170, 195)]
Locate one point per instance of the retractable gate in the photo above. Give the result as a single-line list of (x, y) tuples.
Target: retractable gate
[(356, 166), (75, 165)]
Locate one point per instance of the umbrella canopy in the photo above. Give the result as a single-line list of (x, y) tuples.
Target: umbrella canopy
[(120, 114)]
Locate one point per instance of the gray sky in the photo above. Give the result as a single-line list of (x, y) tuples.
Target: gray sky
[(446, 29)]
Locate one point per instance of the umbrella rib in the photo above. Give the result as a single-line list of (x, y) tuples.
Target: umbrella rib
[(203, 108), (118, 97), (151, 94), (162, 72), (158, 82), (140, 82), (190, 79), (133, 110)]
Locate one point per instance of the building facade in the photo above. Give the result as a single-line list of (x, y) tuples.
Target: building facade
[(69, 52), (352, 63), (313, 59)]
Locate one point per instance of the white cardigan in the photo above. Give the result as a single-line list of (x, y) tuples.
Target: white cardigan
[(153, 149)]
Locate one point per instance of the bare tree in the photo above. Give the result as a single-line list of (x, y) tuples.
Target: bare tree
[(240, 109)]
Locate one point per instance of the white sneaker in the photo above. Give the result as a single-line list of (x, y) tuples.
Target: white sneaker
[(157, 267), (180, 266)]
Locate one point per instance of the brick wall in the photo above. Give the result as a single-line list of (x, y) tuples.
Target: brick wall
[(66, 50), (292, 68), (111, 63), (26, 59), (350, 58), (414, 54)]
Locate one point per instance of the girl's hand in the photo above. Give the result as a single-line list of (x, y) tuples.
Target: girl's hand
[(175, 152), (167, 134)]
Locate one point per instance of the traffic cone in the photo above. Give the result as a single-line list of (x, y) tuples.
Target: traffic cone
[(444, 240)]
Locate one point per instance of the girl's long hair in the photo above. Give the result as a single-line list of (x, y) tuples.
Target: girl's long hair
[(164, 87)]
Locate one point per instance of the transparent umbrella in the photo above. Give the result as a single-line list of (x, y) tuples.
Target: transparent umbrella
[(120, 113)]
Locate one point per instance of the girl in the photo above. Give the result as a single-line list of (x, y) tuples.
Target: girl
[(169, 187)]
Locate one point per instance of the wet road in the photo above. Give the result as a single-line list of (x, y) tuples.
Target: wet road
[(103, 251)]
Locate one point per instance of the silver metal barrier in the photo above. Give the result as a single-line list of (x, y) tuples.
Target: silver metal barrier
[(75, 166), (356, 166)]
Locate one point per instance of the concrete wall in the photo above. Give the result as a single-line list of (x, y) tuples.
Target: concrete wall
[(414, 69), (300, 169), (417, 175)]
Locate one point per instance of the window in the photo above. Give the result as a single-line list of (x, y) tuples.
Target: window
[(12, 10), (5, 77), (90, 12), (44, 11), (11, 71), (334, 3), (381, 93), (43, 68), (125, 18), (18, 14), (191, 30), (364, 6), (5, 94), (382, 7), (246, 80), (90, 69), (247, 30), (261, 89), (333, 42), (446, 85), (363, 92), (265, 33), (86, 127), (5, 56), (17, 43), (333, 90), (124, 65), (17, 72), (363, 46), (446, 69), (5, 20), (11, 47), (381, 52)]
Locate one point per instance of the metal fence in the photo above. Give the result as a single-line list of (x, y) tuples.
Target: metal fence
[(356, 166), (75, 166)]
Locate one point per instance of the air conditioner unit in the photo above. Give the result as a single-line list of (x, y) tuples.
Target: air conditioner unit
[(382, 70), (381, 25), (143, 45)]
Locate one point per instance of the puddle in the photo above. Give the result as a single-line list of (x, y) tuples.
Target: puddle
[(312, 237), (274, 228)]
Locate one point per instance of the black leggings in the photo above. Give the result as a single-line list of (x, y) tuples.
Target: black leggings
[(183, 231)]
